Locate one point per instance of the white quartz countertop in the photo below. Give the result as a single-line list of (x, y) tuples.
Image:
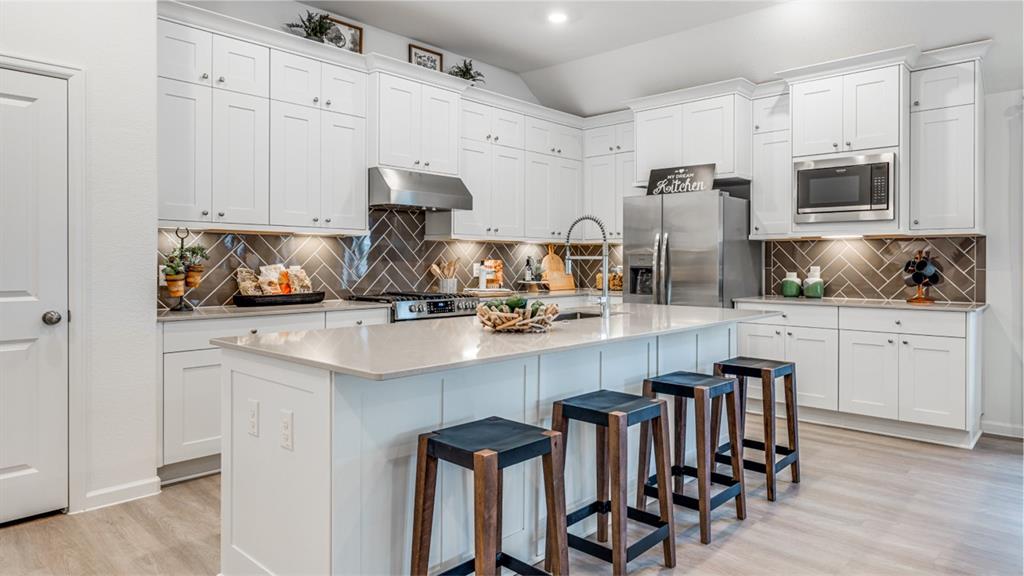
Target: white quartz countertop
[(208, 312), (865, 303), (387, 351)]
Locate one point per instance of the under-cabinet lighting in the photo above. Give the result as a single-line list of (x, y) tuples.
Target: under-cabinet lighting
[(558, 17), (843, 237)]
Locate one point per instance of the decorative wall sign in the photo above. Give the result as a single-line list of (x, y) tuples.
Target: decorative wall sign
[(426, 58), (696, 178)]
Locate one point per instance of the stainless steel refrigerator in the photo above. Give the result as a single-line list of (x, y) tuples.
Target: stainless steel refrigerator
[(689, 249)]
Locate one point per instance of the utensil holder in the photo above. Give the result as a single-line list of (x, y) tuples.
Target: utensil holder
[(448, 285)]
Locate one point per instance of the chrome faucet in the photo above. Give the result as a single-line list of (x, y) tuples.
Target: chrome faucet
[(605, 306)]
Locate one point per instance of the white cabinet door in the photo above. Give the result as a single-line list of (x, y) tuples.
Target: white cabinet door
[(184, 133), (771, 114), (507, 192), (599, 141), (659, 140), (817, 116), (540, 179), (771, 189), (815, 351), (476, 175), (599, 184), (508, 128), (343, 190), (566, 195), (400, 107), (933, 381), (942, 168), (709, 135), (624, 137), (294, 165), (942, 87), (241, 155), (761, 341), (624, 173), (476, 121), (191, 405), (241, 66), (871, 109), (184, 53), (343, 90), (869, 369), (540, 136), (439, 148), (568, 142), (294, 79)]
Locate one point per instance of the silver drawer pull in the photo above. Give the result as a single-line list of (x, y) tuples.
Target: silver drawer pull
[(253, 331)]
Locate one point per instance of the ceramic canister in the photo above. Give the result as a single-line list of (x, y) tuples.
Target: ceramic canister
[(791, 285), (814, 286)]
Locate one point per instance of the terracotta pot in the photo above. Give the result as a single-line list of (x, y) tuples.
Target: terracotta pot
[(194, 276), (175, 285)]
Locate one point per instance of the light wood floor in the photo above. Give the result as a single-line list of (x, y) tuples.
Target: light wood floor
[(867, 505)]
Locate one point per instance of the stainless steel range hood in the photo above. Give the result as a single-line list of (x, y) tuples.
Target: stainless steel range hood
[(404, 189)]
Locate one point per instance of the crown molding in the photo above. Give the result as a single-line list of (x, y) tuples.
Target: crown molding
[(483, 96), (608, 119), (740, 86), (905, 55), (381, 63), (769, 89), (954, 54)]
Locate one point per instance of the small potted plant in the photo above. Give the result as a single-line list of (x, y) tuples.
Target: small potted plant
[(193, 257), (313, 26), (174, 275), (467, 72)]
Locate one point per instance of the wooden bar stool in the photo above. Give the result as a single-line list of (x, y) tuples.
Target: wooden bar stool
[(613, 413), (487, 447), (705, 391), (767, 371)]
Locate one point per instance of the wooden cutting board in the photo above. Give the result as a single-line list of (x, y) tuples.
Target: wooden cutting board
[(552, 263)]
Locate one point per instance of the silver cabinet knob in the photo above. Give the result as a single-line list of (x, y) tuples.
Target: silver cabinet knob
[(327, 220), (848, 144), (552, 233), (427, 163), (206, 212), (835, 145), (221, 214), (917, 221), (316, 99), (917, 102), (899, 323), (328, 102), (495, 138), (789, 333), (756, 228), (488, 229), (890, 340), (205, 76), (220, 79), (559, 150), (617, 147), (359, 322), (559, 233), (315, 219), (785, 316), (253, 331), (416, 162), (905, 342), (495, 230), (51, 317), (778, 333), (756, 127), (552, 149), (488, 136), (610, 148)]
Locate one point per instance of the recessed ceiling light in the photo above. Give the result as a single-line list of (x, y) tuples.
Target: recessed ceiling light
[(557, 17)]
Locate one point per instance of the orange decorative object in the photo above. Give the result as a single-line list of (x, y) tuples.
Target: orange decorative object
[(498, 279), (284, 282)]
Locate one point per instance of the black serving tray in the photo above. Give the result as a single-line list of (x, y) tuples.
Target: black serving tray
[(278, 299)]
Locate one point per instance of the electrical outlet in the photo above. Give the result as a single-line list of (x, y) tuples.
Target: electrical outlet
[(287, 425), (161, 277), (254, 417)]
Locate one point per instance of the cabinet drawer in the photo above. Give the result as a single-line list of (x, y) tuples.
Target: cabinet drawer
[(196, 335), (924, 322), (809, 316), (344, 318)]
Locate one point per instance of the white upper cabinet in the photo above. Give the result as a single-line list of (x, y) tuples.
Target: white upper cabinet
[(540, 188), (343, 199), (599, 141), (771, 114), (439, 148), (566, 195), (184, 133), (184, 53), (399, 118), (625, 137), (294, 165), (599, 186), (241, 66), (241, 141), (294, 79), (817, 116), (495, 177), (476, 175), (484, 123), (659, 140), (933, 381), (343, 90), (869, 376), (771, 189), (871, 109), (710, 134), (942, 169), (625, 171), (942, 87), (546, 137), (508, 173)]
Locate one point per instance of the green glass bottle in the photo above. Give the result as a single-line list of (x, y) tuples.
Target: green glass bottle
[(791, 285)]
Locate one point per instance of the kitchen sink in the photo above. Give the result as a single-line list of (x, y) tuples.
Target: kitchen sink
[(581, 315)]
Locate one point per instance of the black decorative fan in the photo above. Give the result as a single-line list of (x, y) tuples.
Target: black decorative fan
[(922, 272)]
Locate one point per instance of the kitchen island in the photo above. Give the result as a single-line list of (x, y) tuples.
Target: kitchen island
[(320, 428)]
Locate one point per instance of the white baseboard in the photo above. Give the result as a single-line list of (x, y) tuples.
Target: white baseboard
[(118, 494), (1002, 429)]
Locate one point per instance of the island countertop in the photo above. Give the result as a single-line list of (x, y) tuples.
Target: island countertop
[(388, 351)]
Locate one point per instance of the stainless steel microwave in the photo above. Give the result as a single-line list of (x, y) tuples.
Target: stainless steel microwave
[(847, 189)]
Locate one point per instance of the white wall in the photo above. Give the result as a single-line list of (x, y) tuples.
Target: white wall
[(1003, 212), (274, 13), (114, 452)]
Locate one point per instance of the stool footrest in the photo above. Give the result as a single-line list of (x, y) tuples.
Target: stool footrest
[(731, 491), (789, 456), (510, 562), (601, 552)]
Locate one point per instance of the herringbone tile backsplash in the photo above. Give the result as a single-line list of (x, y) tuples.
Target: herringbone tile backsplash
[(393, 256), (873, 268)]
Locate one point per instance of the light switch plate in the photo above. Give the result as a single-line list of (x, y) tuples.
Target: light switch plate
[(287, 429), (254, 417)]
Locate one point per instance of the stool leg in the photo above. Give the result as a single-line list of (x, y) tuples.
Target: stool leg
[(485, 481), (736, 447), (423, 508), (660, 425), (679, 450), (643, 466), (602, 481), (716, 429), (791, 425), (557, 558), (561, 425), (703, 424), (617, 447), (768, 403), (498, 497)]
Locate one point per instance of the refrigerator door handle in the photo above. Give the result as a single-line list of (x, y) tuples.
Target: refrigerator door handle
[(656, 277), (666, 276)]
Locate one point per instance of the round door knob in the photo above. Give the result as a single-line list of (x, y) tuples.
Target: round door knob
[(316, 219), (327, 103), (328, 220), (220, 79), (51, 317), (206, 212), (205, 76), (253, 331), (917, 102), (221, 214), (316, 99)]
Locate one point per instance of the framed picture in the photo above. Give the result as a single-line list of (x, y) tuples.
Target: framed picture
[(345, 35), (426, 57)]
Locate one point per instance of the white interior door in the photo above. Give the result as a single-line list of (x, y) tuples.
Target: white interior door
[(33, 281)]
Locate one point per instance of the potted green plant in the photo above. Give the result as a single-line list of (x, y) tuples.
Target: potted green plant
[(174, 275), (467, 72), (313, 26), (193, 257)]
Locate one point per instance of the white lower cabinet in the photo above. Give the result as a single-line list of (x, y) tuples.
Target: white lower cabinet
[(191, 405), (765, 341), (815, 351), (869, 374), (933, 380)]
